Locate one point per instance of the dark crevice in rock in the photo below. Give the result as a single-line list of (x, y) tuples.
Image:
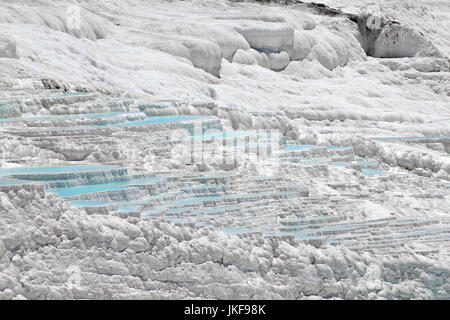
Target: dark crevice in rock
[(379, 37), (368, 35)]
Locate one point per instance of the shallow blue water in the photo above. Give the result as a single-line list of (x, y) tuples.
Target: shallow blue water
[(290, 147), (74, 191), (112, 186)]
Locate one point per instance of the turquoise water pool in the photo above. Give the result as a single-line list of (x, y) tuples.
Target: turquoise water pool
[(112, 186), (291, 147)]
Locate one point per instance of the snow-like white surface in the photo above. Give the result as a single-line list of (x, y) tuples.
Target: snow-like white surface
[(253, 66), (263, 35), (246, 57), (301, 47)]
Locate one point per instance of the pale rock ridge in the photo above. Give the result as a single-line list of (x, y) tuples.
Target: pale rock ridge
[(50, 250), (8, 47)]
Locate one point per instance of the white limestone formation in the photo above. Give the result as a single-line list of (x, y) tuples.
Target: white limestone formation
[(214, 149)]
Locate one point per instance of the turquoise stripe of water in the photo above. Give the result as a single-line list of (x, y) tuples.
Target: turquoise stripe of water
[(291, 147), (112, 186)]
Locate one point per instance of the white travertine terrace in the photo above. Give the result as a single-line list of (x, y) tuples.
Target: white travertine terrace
[(98, 201)]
